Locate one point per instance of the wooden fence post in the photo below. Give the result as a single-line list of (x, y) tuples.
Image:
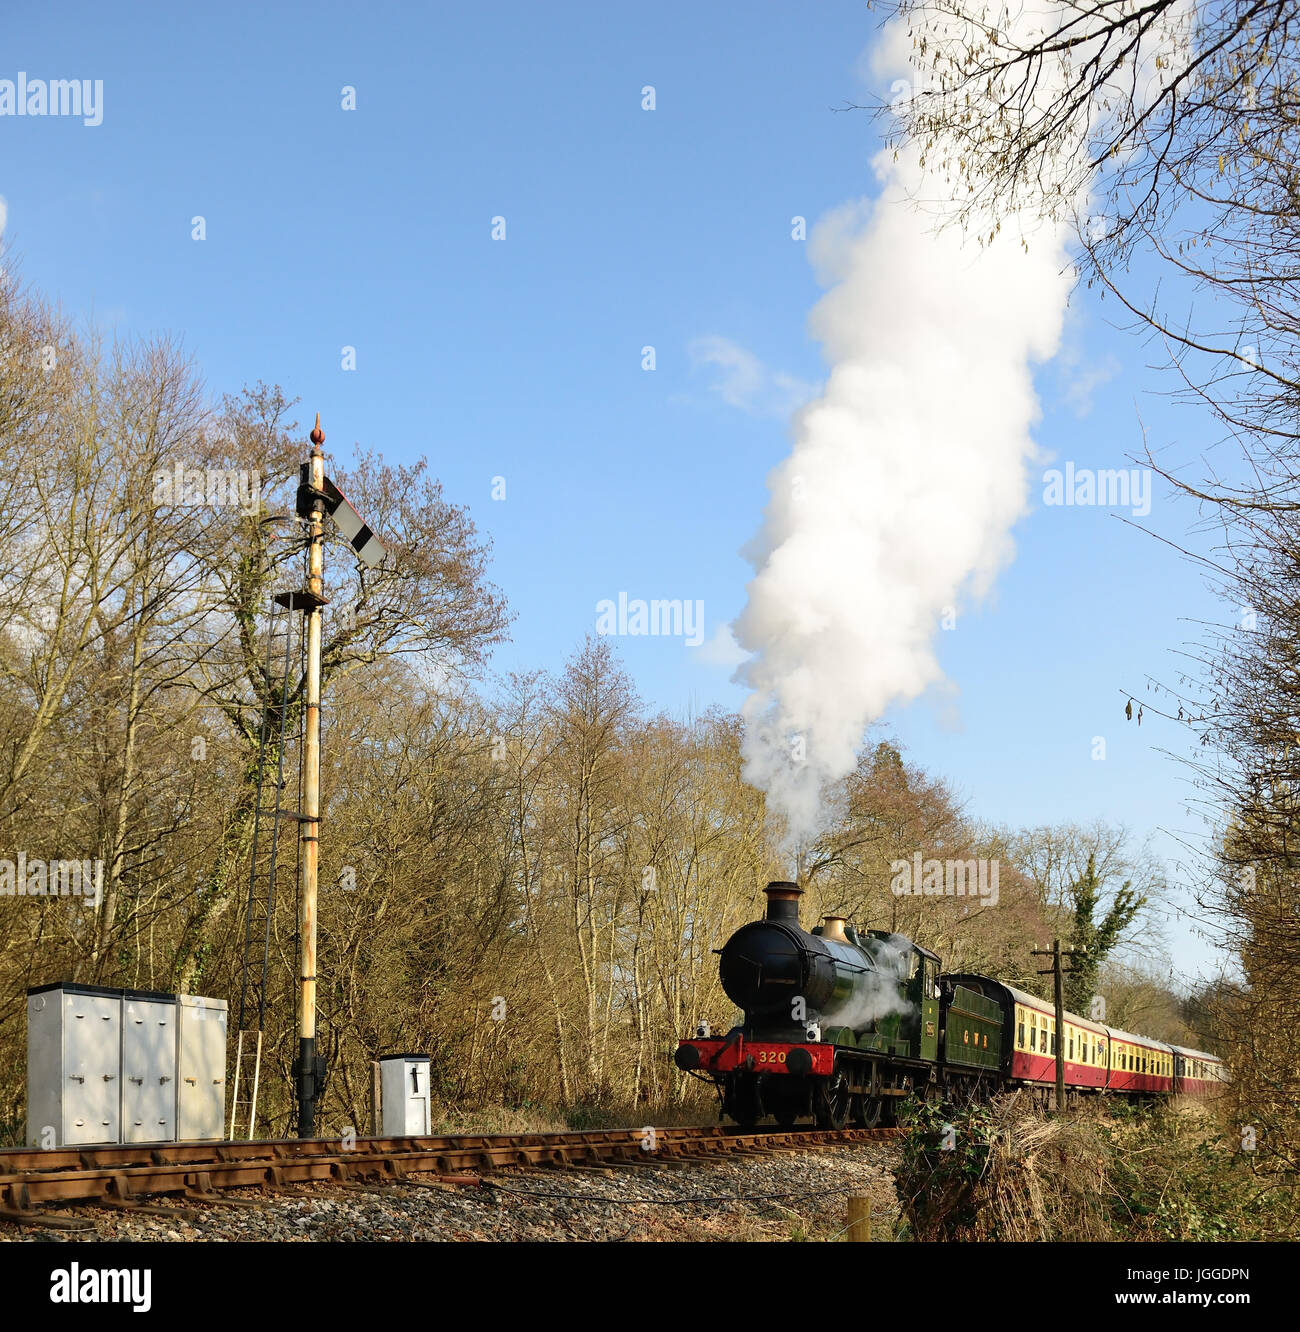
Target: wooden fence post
[(859, 1227)]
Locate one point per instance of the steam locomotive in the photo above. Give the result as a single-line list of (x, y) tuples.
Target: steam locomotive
[(841, 1026)]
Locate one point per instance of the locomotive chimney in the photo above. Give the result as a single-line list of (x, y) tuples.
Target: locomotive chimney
[(833, 928), (783, 901)]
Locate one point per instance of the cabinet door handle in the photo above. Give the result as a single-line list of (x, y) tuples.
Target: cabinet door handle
[(138, 1081), (108, 1077)]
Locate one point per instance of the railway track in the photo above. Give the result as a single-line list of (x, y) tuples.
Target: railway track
[(132, 1177)]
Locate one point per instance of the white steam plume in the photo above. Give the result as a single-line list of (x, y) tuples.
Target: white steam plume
[(905, 478), (877, 994)]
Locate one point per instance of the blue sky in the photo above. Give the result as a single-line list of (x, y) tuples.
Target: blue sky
[(522, 357)]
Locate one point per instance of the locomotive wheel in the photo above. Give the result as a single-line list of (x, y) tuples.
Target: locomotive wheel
[(867, 1111), (833, 1101), (785, 1118)]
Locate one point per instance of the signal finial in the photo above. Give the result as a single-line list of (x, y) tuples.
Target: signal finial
[(317, 434)]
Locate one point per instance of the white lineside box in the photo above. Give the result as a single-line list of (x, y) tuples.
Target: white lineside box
[(149, 1040), (404, 1091), (200, 1068), (74, 1065)]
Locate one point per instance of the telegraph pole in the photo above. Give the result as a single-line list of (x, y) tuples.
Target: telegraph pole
[(1056, 953)]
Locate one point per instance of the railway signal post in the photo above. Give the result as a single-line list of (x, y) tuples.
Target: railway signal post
[(317, 497), (1056, 953)]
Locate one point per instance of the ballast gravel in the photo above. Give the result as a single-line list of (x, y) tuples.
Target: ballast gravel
[(778, 1197)]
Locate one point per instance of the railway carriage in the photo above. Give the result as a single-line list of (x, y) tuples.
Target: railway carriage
[(1141, 1065), (1197, 1073)]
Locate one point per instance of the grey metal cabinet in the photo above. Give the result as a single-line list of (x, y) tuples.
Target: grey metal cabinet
[(74, 1045), (201, 1068), (149, 1041)]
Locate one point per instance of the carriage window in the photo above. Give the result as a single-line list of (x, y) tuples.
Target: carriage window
[(1033, 1037), (1053, 1042), (1020, 1034)]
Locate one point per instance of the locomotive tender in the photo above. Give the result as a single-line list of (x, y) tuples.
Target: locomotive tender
[(839, 1025)]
